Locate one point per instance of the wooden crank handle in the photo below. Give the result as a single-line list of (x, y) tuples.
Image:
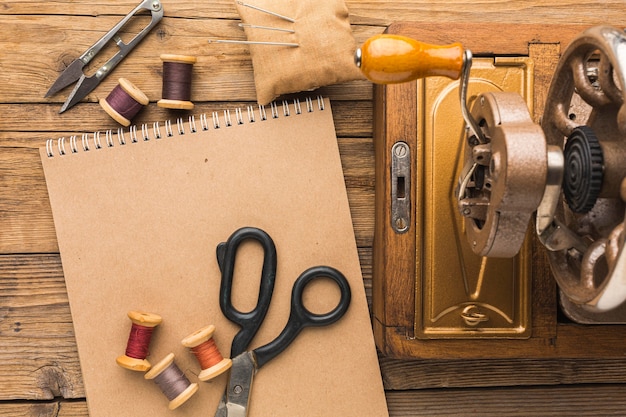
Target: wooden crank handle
[(389, 59)]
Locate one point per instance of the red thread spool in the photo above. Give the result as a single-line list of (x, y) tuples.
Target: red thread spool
[(202, 344), (176, 91), (172, 381), (143, 325), (124, 102)]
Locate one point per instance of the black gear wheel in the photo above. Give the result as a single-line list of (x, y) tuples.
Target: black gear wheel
[(584, 162)]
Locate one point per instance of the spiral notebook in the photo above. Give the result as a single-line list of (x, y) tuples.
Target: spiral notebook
[(138, 216)]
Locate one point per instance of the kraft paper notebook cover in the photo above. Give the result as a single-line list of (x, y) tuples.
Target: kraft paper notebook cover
[(138, 225)]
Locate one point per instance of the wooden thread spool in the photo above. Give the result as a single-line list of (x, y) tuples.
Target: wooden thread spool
[(124, 102), (138, 341), (172, 381), (202, 344), (176, 91)]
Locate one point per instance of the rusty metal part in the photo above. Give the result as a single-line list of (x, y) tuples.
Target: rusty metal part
[(504, 179), (588, 89), (615, 257)]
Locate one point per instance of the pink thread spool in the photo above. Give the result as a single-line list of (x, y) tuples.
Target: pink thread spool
[(124, 102), (141, 330), (203, 346)]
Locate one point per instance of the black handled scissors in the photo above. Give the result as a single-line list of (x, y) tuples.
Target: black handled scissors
[(234, 402), (74, 72)]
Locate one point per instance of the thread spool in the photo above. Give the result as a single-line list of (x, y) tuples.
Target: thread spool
[(143, 325), (172, 381), (202, 345), (176, 90), (124, 102)]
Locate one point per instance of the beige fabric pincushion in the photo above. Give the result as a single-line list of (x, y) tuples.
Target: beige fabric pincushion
[(324, 55)]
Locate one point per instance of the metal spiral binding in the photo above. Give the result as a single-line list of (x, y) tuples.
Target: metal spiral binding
[(93, 141)]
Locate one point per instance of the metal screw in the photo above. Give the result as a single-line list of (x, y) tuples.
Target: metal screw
[(400, 150), (401, 224), (237, 389)]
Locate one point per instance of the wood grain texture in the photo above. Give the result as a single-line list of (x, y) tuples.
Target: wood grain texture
[(373, 12), (39, 363), (38, 357), (45, 409), (582, 400), (27, 225), (223, 71), (511, 402)]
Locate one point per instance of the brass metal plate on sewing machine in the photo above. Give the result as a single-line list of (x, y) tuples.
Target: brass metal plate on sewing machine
[(462, 294)]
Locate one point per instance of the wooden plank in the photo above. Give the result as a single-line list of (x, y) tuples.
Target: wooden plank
[(533, 401), (386, 12), (352, 119), (218, 9), (26, 218), (223, 71), (38, 356), (372, 12), (585, 400), (427, 374), (45, 409)]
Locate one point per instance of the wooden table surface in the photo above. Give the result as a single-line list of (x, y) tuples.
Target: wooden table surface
[(39, 370)]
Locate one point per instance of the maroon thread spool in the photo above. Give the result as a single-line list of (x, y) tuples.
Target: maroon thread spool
[(176, 91), (143, 325), (124, 102)]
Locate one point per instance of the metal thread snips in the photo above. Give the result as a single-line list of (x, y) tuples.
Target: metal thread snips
[(86, 84)]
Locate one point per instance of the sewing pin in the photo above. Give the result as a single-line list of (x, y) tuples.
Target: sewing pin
[(246, 25), (266, 11), (294, 45)]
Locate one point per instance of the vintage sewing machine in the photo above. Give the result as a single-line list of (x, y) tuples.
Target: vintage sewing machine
[(499, 172)]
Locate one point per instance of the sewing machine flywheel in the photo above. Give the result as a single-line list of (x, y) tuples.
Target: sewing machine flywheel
[(585, 115)]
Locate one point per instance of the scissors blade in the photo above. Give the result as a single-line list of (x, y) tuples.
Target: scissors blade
[(69, 76), (234, 403), (84, 86), (222, 411)]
